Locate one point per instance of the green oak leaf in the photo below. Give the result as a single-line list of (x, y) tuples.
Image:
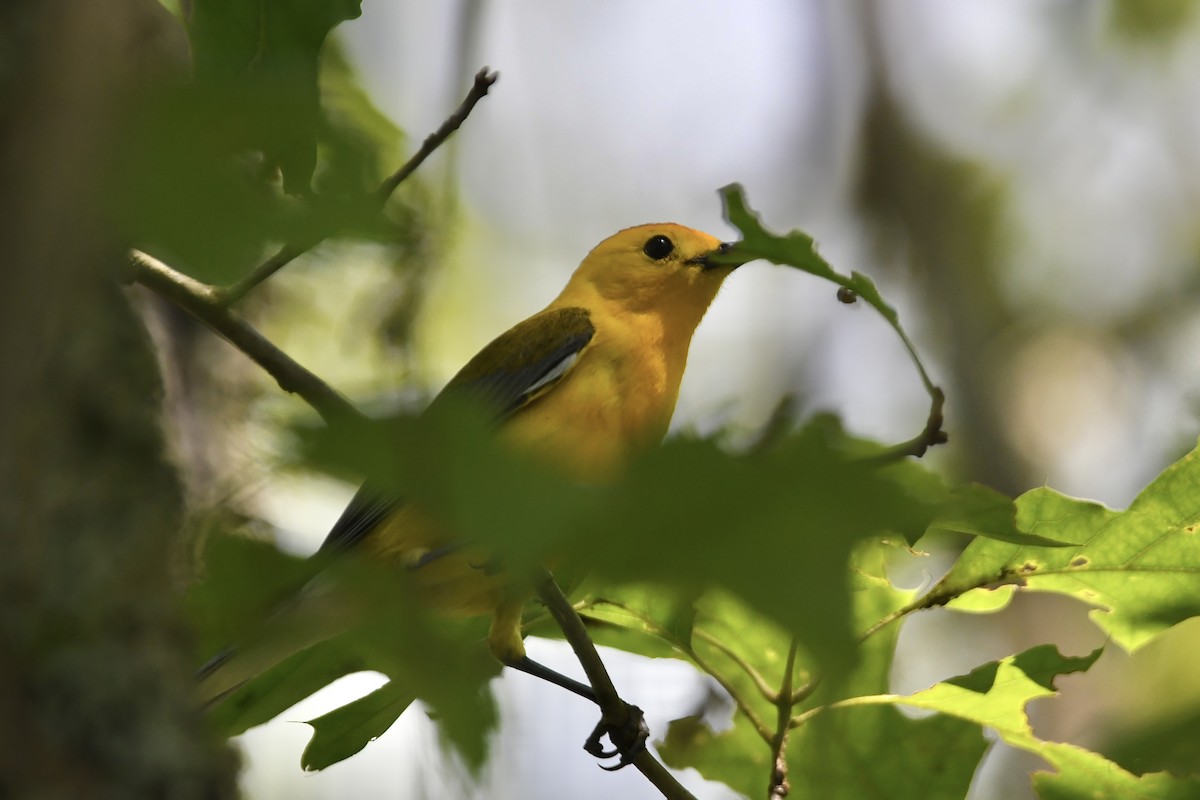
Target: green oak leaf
[(1139, 567), (995, 695)]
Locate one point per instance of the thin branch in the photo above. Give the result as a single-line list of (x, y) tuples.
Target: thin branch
[(931, 436), (289, 252), (483, 81), (201, 301), (615, 711), (779, 786)]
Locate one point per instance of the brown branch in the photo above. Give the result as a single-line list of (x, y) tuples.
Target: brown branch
[(615, 711), (202, 302), (483, 81), (289, 252)]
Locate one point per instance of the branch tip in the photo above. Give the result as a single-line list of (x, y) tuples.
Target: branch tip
[(484, 79)]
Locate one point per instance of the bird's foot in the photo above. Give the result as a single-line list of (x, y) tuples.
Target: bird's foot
[(628, 738)]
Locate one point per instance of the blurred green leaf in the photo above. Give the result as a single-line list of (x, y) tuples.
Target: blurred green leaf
[(1152, 22), (194, 182), (358, 143), (1163, 744), (775, 528), (980, 511), (180, 191), (275, 691), (366, 619), (345, 731), (1140, 567), (244, 580), (270, 50)]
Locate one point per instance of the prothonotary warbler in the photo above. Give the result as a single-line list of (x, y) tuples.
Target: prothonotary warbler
[(583, 384)]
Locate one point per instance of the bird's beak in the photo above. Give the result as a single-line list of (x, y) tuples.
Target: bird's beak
[(723, 256)]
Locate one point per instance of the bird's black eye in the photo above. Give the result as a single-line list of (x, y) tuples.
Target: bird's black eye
[(658, 247)]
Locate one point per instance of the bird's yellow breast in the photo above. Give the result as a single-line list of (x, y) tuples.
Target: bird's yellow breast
[(618, 399)]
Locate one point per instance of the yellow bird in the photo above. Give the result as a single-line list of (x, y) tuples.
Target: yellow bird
[(582, 385)]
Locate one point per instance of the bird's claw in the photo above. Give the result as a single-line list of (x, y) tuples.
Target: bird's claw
[(629, 739)]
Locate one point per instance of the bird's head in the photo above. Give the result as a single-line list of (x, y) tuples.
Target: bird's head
[(662, 266)]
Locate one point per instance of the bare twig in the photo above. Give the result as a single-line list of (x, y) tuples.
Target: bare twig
[(483, 81), (289, 252), (614, 710), (200, 300)]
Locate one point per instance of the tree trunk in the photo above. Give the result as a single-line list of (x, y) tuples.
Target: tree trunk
[(96, 697)]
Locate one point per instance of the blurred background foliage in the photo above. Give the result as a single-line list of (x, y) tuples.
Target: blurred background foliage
[(1021, 178)]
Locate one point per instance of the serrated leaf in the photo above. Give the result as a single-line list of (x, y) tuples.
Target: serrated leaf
[(996, 694), (1084, 775), (796, 248), (1140, 567)]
